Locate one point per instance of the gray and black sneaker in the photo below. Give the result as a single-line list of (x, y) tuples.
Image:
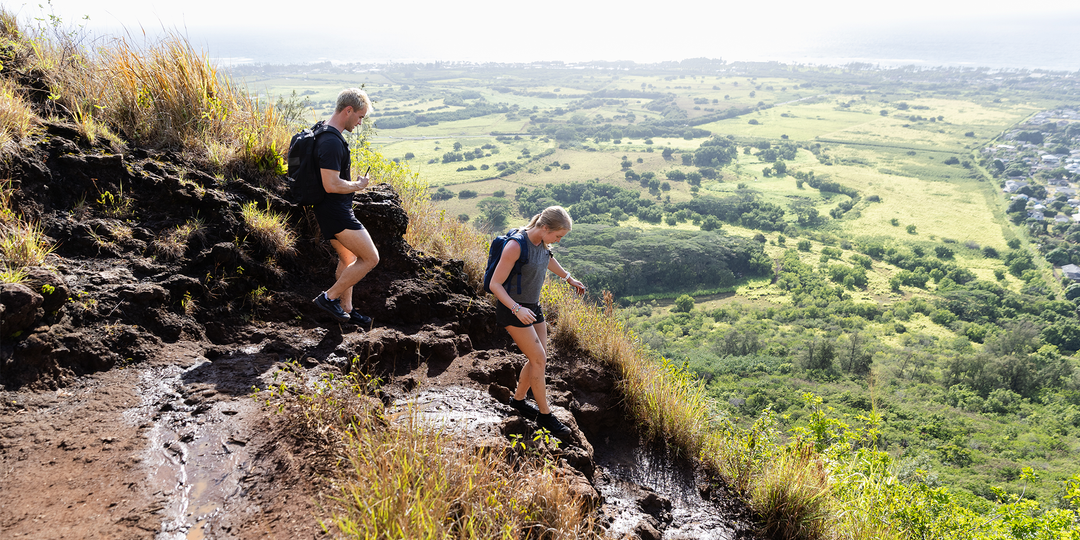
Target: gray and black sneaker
[(524, 408), (359, 319), (553, 425), (333, 307)]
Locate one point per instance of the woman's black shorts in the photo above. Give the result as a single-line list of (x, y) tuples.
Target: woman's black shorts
[(504, 317), (334, 218)]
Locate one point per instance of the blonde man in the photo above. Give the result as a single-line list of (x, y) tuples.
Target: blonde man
[(357, 254)]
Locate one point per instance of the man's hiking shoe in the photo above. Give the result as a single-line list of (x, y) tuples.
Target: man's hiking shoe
[(553, 425), (361, 320), (333, 307), (526, 409)]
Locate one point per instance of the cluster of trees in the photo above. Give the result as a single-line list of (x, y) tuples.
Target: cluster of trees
[(595, 202), (628, 261)]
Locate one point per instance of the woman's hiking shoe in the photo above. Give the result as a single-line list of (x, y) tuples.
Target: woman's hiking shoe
[(358, 319), (526, 409), (553, 425), (333, 307)]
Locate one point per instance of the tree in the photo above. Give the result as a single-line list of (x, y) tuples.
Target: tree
[(683, 304), (494, 212)]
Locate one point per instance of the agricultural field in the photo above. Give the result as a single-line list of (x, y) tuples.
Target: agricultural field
[(870, 134)]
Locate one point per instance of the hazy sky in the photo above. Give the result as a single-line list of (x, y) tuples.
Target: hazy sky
[(561, 29)]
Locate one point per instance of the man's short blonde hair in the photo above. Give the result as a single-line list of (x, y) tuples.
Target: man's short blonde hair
[(355, 98)]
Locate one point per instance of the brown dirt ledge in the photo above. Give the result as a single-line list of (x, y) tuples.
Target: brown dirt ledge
[(126, 372)]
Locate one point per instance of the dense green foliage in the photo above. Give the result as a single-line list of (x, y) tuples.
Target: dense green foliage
[(629, 261), (956, 419), (595, 202)]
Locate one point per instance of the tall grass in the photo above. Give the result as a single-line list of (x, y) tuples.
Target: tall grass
[(162, 94), (17, 118), (400, 479), (409, 482), (268, 227), (22, 243)]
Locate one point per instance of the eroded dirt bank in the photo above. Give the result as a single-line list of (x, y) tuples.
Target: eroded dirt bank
[(127, 363)]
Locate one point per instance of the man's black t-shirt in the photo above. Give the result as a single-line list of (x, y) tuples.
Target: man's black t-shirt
[(335, 212), (333, 154)]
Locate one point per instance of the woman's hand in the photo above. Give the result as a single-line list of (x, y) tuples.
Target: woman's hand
[(577, 285), (526, 315)]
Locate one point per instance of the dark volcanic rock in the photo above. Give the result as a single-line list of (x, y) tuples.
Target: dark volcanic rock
[(20, 308)]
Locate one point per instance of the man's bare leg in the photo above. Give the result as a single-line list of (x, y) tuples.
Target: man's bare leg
[(357, 255)]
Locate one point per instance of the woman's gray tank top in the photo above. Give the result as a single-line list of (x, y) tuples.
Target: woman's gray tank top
[(532, 275)]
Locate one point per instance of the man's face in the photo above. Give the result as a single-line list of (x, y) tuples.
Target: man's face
[(355, 118)]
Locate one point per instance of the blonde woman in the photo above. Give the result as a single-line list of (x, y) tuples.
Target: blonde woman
[(518, 309)]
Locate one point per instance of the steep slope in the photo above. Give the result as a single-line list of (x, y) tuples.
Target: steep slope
[(127, 361)]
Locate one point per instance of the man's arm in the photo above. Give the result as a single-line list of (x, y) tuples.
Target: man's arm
[(333, 182)]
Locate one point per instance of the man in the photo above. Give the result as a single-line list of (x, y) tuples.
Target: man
[(356, 252)]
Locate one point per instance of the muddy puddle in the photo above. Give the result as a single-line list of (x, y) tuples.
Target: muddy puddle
[(647, 489), (470, 413), (195, 456)]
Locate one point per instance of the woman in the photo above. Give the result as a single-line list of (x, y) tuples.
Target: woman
[(519, 310)]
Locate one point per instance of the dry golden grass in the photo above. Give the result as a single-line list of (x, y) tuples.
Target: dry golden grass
[(664, 399), (408, 482), (17, 118), (268, 227), (22, 244), (163, 94), (402, 480), (172, 243), (792, 494)]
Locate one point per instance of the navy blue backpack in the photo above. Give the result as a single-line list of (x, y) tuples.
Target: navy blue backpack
[(495, 253)]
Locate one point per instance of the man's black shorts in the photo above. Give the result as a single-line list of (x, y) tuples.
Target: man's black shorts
[(334, 218), (504, 317)]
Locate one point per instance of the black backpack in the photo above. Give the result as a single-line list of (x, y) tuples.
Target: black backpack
[(495, 253), (305, 178)]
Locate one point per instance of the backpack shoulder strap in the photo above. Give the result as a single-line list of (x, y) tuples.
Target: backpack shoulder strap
[(321, 127), (519, 235)]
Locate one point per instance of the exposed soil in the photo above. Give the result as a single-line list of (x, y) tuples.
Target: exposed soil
[(127, 364)]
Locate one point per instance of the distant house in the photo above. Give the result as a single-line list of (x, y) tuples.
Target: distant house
[(1071, 271), (1037, 216), (1012, 186), (1061, 219)]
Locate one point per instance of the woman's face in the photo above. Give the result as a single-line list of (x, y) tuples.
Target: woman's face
[(553, 236)]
